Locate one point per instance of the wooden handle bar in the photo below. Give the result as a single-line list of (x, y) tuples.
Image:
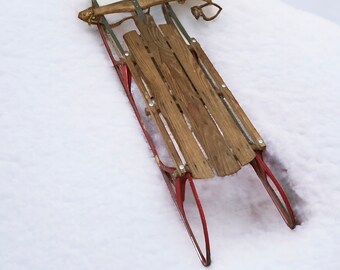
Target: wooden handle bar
[(127, 6), (92, 14)]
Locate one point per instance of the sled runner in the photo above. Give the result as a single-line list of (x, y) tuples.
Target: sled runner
[(204, 128)]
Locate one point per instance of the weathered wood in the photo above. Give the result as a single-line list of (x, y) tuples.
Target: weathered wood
[(127, 6), (226, 123), (222, 89), (182, 134), (154, 112), (212, 141), (92, 14)]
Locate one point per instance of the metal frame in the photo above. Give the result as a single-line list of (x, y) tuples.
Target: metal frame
[(177, 183)]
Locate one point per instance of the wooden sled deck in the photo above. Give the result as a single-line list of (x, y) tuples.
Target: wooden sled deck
[(212, 132), (204, 128)]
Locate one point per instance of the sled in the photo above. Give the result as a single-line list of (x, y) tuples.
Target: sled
[(204, 128)]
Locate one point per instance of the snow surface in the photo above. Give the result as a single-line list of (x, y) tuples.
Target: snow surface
[(328, 9), (79, 186)]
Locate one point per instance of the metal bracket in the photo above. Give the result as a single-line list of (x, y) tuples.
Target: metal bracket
[(173, 16), (197, 11), (138, 9), (109, 31)]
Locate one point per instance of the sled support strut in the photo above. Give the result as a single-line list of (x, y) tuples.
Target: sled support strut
[(279, 196), (180, 196)]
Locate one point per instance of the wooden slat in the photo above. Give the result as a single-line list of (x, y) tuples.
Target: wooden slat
[(257, 141), (154, 113), (182, 134), (213, 143), (229, 128)]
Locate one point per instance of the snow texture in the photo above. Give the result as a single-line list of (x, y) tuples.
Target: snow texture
[(79, 186)]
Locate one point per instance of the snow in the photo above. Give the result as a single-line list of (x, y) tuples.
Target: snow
[(79, 186), (329, 9)]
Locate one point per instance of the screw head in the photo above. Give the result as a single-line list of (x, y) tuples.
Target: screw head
[(224, 86), (127, 53), (152, 103), (261, 141), (194, 40), (181, 167)]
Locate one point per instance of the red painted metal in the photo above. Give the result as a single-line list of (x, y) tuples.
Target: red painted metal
[(125, 77), (177, 190), (180, 187), (282, 205)]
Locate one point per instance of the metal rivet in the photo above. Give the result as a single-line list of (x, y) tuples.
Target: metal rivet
[(181, 167), (194, 40), (152, 103), (224, 86), (127, 54), (260, 141)]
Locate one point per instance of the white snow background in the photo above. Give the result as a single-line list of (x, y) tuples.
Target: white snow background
[(79, 188)]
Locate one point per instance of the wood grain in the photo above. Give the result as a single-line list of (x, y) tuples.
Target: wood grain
[(212, 141), (154, 113), (232, 134), (182, 134), (257, 142)]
